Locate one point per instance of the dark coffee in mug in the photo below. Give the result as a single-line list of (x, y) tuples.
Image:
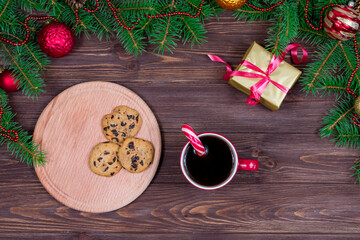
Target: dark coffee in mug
[(213, 168)]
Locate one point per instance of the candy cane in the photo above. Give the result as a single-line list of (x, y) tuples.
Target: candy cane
[(194, 139)]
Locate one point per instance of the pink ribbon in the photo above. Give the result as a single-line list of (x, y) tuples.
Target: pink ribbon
[(258, 88)]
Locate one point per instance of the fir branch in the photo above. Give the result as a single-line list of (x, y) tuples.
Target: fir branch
[(129, 32), (284, 28), (4, 8), (8, 15), (350, 137), (80, 21), (275, 49), (29, 5), (30, 80), (348, 61), (102, 24), (131, 39), (3, 97), (166, 32), (135, 8), (147, 23), (307, 36), (193, 31), (194, 6), (331, 127), (248, 11), (24, 148), (38, 56), (249, 14), (215, 8), (338, 123), (164, 40), (336, 85), (356, 168), (321, 66)]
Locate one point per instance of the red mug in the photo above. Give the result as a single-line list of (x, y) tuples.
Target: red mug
[(236, 163)]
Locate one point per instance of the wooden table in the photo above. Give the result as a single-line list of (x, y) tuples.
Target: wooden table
[(302, 190)]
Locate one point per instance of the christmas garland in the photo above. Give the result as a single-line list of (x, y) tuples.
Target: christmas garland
[(164, 23)]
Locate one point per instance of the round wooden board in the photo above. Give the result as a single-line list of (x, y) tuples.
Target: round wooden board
[(68, 129)]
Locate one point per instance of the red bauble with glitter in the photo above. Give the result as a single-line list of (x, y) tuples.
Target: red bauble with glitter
[(8, 83), (342, 22), (56, 39)]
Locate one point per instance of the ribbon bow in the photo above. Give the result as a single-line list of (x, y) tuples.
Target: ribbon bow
[(258, 88)]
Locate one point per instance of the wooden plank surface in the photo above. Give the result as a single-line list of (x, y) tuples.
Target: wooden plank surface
[(303, 189)]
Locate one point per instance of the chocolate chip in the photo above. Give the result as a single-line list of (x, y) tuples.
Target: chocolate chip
[(137, 118), (114, 159), (110, 163), (132, 126), (106, 153), (107, 134), (127, 153), (134, 165), (137, 158), (112, 116), (131, 145), (133, 159), (106, 128), (115, 132), (113, 125), (99, 159), (94, 163), (142, 163), (112, 173), (107, 168), (123, 134), (130, 117), (115, 139), (123, 123)]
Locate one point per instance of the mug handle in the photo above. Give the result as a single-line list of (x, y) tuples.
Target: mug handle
[(248, 164)]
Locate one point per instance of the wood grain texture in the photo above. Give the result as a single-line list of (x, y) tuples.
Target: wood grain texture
[(303, 189), (68, 129), (236, 208)]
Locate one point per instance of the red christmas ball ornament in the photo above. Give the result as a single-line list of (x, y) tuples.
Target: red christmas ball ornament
[(56, 39), (342, 22), (8, 83)]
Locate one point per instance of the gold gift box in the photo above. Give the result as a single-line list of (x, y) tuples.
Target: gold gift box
[(284, 74)]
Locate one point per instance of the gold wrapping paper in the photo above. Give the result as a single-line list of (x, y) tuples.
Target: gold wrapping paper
[(284, 74)]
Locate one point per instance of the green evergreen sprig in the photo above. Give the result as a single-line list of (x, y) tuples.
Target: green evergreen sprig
[(24, 148), (356, 168), (249, 14), (284, 28)]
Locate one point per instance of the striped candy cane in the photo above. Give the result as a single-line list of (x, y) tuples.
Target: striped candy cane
[(194, 139)]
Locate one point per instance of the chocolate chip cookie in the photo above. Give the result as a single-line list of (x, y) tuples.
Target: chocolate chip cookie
[(136, 154), (122, 123), (104, 160)]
